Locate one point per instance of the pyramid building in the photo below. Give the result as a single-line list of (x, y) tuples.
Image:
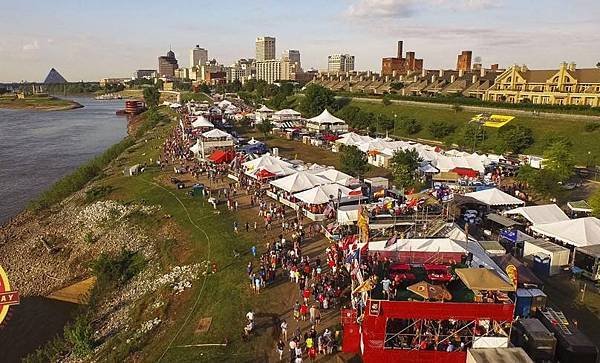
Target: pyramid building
[(54, 77)]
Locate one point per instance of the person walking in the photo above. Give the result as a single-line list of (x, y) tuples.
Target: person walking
[(284, 330), (253, 250), (280, 347)]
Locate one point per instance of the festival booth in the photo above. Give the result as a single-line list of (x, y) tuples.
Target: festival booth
[(419, 250), (221, 156), (540, 214), (267, 167), (579, 208), (494, 197), (326, 121), (263, 113), (285, 115), (319, 198), (336, 176), (587, 260), (294, 183), (202, 123), (214, 139), (579, 232)]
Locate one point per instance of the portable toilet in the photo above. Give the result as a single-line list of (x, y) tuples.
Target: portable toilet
[(541, 264), (523, 305)]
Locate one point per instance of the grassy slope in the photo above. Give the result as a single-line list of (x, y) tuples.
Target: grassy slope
[(225, 296), (542, 127)]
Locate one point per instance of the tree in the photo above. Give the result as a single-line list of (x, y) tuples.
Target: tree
[(385, 123), (472, 134), (316, 99), (151, 96), (542, 181), (594, 202), (558, 158), (386, 100), (404, 166), (265, 127), (515, 138), (410, 126), (440, 129), (354, 161)]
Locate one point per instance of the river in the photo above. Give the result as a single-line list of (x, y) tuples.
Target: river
[(37, 149)]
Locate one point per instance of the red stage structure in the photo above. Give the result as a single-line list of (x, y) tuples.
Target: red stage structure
[(414, 331)]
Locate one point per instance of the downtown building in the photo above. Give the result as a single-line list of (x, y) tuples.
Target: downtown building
[(340, 63), (198, 56), (393, 66), (242, 70), (167, 64)]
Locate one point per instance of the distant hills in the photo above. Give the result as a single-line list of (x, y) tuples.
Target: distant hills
[(54, 77)]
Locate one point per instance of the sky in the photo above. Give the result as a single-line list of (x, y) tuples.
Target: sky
[(91, 39)]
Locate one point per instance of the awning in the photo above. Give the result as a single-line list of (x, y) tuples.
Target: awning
[(506, 222), (470, 173), (221, 156), (577, 232), (482, 279), (539, 214), (495, 197), (580, 206)]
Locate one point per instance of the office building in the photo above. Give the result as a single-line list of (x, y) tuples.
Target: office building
[(293, 56), (269, 70), (198, 56), (242, 70), (144, 73), (167, 64), (265, 48), (463, 62), (394, 66), (340, 63)]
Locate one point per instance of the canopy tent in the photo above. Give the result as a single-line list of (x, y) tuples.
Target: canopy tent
[(336, 176), (264, 108), (216, 134), (352, 139), (468, 172), (175, 105), (502, 220), (577, 232), (264, 161), (482, 279), (221, 156), (580, 206), (429, 291), (326, 118), (347, 214), (287, 112), (298, 182), (274, 169), (540, 214), (196, 148), (526, 276), (202, 122), (264, 174), (322, 194), (224, 104), (495, 197), (427, 168), (253, 141)]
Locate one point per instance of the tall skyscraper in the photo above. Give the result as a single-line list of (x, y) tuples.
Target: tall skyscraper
[(293, 56), (265, 48), (340, 63), (198, 56), (269, 70), (167, 65)]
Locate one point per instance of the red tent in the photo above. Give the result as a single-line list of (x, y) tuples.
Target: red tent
[(221, 156), (264, 174), (330, 137), (466, 172)]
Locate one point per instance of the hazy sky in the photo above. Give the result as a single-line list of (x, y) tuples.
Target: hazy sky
[(93, 39)]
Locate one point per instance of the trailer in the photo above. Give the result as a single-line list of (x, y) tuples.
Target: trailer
[(559, 256), (588, 260), (572, 345), (534, 338)]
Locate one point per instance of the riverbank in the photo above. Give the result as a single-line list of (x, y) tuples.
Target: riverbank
[(45, 103)]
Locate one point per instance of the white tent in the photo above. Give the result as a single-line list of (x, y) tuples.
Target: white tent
[(202, 122), (196, 148), (418, 245), (577, 232), (326, 118), (216, 134), (264, 108), (335, 176), (298, 182), (494, 197), (321, 193), (540, 214), (175, 105), (224, 104), (265, 161), (287, 112), (253, 141), (347, 214), (352, 139), (277, 169)]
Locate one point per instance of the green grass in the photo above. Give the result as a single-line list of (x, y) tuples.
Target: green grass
[(196, 96), (544, 128), (36, 103)]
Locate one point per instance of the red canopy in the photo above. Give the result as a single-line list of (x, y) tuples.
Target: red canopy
[(466, 172), (264, 174), (330, 137), (221, 156)]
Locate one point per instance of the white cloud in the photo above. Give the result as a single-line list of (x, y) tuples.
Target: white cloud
[(31, 46), (378, 9)]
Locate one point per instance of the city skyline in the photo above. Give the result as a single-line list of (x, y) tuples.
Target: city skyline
[(88, 41)]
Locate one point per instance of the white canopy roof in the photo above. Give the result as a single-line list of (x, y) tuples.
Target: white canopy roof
[(495, 196), (253, 141), (352, 139), (325, 118), (419, 245), (321, 193), (175, 105), (335, 176), (202, 122), (196, 147), (287, 111), (540, 214), (347, 214), (264, 108), (264, 161), (298, 182), (577, 232), (277, 169), (216, 134), (224, 104)]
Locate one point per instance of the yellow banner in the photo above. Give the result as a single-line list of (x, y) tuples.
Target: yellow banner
[(492, 120)]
